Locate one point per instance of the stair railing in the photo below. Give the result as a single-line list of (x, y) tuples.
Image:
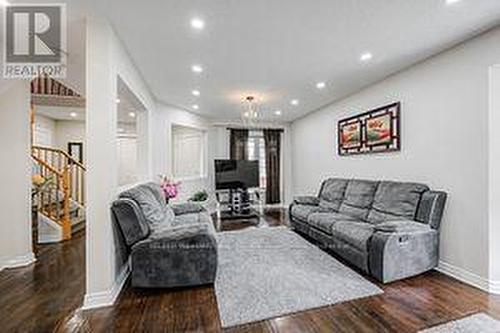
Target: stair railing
[(68, 187)]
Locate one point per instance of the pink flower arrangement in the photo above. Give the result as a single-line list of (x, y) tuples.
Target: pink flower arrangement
[(169, 187)]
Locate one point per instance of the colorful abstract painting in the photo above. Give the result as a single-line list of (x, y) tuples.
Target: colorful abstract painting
[(379, 130), (375, 131), (351, 135)]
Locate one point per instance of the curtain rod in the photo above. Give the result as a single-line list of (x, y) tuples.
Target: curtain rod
[(255, 128)]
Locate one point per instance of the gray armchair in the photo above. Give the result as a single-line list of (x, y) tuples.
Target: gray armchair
[(170, 245)]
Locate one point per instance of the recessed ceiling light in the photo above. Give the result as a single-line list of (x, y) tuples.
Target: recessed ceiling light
[(118, 100), (277, 112), (451, 2), (195, 92), (294, 102), (197, 68), (366, 56), (197, 23), (320, 85), (73, 114), (132, 114), (196, 107)]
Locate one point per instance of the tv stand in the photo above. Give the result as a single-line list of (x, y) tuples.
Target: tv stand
[(238, 204)]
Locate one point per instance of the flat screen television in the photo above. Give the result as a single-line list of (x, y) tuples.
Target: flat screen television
[(234, 174)]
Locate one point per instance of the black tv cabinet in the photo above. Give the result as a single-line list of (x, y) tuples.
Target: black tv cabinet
[(238, 204)]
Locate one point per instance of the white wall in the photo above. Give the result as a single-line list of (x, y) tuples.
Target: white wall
[(69, 131), (165, 117), (44, 131), (494, 174), (15, 176), (60, 131), (444, 144), (106, 61)]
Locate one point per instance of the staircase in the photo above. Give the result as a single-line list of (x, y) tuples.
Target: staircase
[(61, 208)]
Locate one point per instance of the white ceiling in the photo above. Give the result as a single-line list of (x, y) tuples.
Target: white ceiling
[(279, 49)]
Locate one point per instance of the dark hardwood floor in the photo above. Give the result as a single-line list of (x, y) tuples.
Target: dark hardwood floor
[(46, 297)]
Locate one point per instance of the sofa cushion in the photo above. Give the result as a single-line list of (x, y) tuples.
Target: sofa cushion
[(187, 208), (157, 192), (325, 221), (302, 212), (332, 193), (306, 200), (358, 198), (357, 234), (396, 201), (192, 218), (154, 211), (402, 226)]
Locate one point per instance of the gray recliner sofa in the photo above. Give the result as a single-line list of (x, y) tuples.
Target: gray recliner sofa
[(389, 230), (169, 245)]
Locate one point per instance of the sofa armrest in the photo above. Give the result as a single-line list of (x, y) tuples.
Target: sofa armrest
[(401, 226), (186, 233), (431, 207), (306, 200), (396, 255), (187, 208), (179, 256)]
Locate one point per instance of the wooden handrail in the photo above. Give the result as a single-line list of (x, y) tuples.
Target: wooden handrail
[(55, 150), (70, 178), (46, 165)]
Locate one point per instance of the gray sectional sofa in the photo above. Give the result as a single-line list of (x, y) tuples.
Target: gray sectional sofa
[(169, 245), (387, 229)]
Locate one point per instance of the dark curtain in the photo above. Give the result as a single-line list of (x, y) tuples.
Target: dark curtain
[(238, 142), (272, 140)]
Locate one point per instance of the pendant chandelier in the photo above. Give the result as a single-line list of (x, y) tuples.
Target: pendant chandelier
[(250, 113)]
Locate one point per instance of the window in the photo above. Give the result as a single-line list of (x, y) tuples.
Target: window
[(257, 151), (188, 152)]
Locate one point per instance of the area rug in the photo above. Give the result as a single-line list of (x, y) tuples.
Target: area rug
[(479, 322), (269, 272)]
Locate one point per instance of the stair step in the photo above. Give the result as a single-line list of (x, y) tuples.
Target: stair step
[(80, 225)]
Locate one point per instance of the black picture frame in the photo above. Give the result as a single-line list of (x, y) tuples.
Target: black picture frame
[(75, 150), (393, 144)]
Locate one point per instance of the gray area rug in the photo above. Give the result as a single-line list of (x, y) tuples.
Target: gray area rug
[(269, 272), (479, 322)]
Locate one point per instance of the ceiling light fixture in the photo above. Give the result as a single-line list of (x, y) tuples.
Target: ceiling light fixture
[(250, 113), (196, 107), (451, 2), (121, 130), (320, 85), (197, 23), (366, 56), (118, 100), (4, 3), (197, 68), (195, 92), (73, 114), (277, 112), (294, 102), (132, 114)]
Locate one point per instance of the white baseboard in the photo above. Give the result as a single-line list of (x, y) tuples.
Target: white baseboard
[(108, 297), (470, 278), (18, 261), (495, 287)]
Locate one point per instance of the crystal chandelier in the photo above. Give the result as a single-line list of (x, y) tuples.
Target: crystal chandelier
[(250, 113)]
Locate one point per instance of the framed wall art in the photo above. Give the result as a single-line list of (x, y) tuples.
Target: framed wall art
[(375, 131)]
